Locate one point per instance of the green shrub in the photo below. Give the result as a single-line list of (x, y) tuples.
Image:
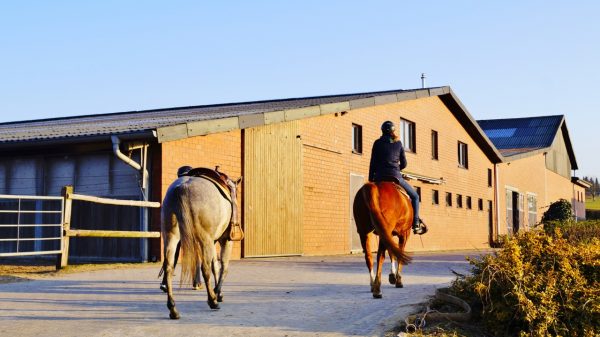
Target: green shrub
[(537, 285)]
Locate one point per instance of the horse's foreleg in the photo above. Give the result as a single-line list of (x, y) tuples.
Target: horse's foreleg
[(226, 246), (208, 255), (170, 248), (380, 258)]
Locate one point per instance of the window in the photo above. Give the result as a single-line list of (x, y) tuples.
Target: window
[(435, 197), (469, 206), (463, 155), (459, 201), (434, 145), (356, 138), (418, 190), (448, 199), (407, 135), (489, 177), (480, 204), (532, 209)]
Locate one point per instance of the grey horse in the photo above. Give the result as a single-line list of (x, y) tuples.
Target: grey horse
[(197, 214)]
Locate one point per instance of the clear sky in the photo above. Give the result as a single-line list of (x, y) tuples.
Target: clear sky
[(502, 58)]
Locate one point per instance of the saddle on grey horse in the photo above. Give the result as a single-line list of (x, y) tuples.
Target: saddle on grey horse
[(220, 180)]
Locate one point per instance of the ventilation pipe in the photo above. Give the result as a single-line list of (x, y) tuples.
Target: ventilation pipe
[(423, 80)]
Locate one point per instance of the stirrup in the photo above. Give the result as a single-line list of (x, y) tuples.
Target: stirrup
[(420, 228)]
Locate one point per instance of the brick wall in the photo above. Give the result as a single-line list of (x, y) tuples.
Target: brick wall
[(328, 162)]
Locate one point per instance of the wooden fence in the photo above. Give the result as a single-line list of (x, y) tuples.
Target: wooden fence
[(69, 196)]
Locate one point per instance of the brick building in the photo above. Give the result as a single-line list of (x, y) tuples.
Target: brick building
[(302, 161)]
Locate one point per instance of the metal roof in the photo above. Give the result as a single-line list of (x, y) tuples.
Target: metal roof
[(515, 136), (182, 122), (139, 121)]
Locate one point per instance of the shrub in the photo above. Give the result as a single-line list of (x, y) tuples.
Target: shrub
[(537, 285)]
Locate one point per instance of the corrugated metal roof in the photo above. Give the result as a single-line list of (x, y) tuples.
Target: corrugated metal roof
[(514, 136), (139, 121)]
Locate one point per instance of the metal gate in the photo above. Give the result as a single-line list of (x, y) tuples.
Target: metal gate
[(30, 225)]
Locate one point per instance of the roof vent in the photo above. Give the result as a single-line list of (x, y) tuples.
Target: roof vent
[(423, 80)]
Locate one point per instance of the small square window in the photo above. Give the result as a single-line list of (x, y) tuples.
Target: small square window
[(435, 197), (448, 199), (468, 200), (357, 138), (480, 204), (459, 200)]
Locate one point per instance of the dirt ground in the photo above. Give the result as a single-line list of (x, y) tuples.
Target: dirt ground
[(293, 296)]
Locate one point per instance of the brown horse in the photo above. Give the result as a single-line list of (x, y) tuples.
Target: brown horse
[(383, 210)]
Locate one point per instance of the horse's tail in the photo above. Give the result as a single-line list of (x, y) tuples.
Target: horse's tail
[(371, 194), (192, 251)]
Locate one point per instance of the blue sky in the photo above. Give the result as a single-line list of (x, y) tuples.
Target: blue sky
[(503, 59)]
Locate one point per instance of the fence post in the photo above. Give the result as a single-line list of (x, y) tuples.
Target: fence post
[(63, 258)]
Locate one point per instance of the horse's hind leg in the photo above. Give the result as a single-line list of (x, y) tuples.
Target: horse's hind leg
[(170, 248), (380, 258), (163, 284), (208, 255), (393, 268), (226, 246), (365, 241)]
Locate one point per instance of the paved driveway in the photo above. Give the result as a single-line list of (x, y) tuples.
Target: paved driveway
[(293, 296)]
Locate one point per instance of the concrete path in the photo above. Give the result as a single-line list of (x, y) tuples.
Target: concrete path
[(293, 296)]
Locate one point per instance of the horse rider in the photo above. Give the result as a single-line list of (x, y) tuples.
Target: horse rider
[(387, 160)]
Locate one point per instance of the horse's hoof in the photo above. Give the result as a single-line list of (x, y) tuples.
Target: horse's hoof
[(392, 278), (213, 305), (399, 284), (197, 286), (377, 295), (163, 287), (220, 298), (174, 315)]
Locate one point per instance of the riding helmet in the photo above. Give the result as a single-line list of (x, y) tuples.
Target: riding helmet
[(387, 127)]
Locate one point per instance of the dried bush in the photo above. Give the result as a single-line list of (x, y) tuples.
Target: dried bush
[(537, 285)]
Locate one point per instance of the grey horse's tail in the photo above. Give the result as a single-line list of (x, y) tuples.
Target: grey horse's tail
[(192, 253)]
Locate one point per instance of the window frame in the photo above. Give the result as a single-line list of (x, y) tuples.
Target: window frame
[(463, 155), (448, 199), (357, 138), (409, 141), (459, 201), (480, 204), (490, 177), (435, 153), (468, 202), (418, 190), (435, 197)]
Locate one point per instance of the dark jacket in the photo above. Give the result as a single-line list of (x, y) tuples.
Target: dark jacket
[(387, 159)]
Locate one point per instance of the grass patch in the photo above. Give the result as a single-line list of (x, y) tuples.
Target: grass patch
[(592, 204)]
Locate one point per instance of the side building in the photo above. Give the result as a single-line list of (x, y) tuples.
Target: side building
[(536, 170)]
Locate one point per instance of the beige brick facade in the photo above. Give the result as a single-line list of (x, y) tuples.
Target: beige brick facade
[(328, 161)]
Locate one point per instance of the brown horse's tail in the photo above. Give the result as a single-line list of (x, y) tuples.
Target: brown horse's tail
[(192, 251), (371, 194)]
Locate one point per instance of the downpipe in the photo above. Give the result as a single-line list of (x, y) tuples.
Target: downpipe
[(116, 146)]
